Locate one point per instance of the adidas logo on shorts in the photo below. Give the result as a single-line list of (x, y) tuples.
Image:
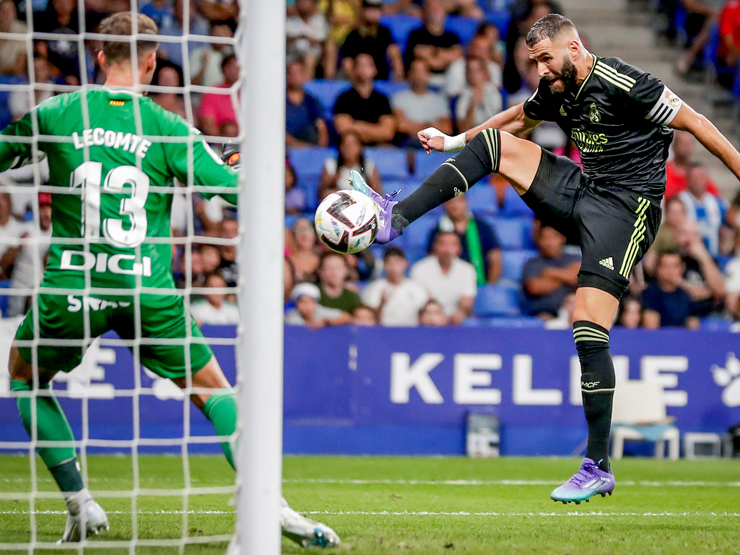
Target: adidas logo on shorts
[(607, 263)]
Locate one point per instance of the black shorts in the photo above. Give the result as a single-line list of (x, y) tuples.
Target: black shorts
[(614, 226)]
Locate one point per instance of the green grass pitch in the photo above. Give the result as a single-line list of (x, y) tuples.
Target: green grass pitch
[(411, 505)]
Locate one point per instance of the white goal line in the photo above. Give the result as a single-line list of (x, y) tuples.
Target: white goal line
[(645, 483)]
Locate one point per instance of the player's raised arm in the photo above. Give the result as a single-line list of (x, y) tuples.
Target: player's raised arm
[(687, 119), (514, 121)]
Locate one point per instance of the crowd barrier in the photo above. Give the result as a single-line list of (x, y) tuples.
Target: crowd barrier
[(408, 391)]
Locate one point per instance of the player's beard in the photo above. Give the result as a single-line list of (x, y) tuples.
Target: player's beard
[(568, 77)]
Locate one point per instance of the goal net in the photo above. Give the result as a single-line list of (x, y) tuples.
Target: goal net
[(140, 442)]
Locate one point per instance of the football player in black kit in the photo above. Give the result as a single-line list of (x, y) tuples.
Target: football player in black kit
[(622, 119)]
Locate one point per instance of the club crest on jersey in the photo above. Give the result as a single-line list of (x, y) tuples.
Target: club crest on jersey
[(594, 114), (673, 100)]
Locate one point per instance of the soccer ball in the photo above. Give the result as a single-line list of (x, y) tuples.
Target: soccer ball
[(347, 221)]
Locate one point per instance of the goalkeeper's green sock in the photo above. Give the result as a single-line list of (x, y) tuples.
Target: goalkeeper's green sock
[(51, 425), (220, 410)]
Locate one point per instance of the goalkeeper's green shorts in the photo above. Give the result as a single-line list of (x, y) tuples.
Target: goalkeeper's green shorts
[(163, 344)]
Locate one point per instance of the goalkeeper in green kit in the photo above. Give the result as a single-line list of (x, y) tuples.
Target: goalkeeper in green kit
[(113, 157)]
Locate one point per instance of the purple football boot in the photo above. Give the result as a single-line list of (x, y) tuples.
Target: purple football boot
[(385, 205), (590, 480)]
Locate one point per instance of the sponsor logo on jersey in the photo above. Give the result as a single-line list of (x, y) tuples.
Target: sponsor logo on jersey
[(92, 304), (594, 116), (588, 141), (111, 139), (122, 264), (589, 385), (607, 263)]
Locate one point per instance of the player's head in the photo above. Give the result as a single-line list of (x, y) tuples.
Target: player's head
[(116, 54), (557, 49)]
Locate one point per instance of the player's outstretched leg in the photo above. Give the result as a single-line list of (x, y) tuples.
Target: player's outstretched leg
[(215, 398), (84, 516), (491, 151), (597, 387)]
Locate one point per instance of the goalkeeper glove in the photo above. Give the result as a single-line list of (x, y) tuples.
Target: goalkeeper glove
[(231, 154)]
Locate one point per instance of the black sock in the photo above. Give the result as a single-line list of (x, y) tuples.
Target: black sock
[(597, 387), (67, 476), (454, 177)]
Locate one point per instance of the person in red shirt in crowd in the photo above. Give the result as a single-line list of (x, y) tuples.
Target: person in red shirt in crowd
[(728, 53), (677, 168), (216, 109)]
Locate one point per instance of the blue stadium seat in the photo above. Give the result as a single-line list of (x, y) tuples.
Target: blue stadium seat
[(4, 284), (425, 163), (414, 254), (514, 263), (515, 322), (290, 220), (716, 324), (514, 206), (513, 233), (310, 184), (482, 198), (326, 92), (463, 27), (500, 18), (392, 163), (389, 88), (400, 27), (497, 300), (417, 234), (406, 186), (310, 161)]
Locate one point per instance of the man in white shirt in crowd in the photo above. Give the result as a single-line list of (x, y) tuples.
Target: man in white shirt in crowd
[(29, 260), (215, 309), (306, 35), (11, 230), (396, 299), (418, 108), (448, 279)]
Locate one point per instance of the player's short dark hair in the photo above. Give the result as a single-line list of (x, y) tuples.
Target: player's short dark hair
[(121, 24), (548, 27)]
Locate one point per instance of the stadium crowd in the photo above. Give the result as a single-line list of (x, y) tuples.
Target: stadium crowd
[(363, 77)]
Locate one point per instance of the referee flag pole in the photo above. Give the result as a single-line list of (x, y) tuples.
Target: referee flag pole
[(261, 220)]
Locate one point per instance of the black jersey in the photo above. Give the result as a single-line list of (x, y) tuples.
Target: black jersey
[(618, 119)]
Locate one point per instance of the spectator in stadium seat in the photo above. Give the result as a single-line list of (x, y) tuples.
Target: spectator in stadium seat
[(306, 35), (395, 298), (218, 10), (19, 102), (480, 100), (215, 309), (564, 318), (333, 273), (363, 109), (480, 245), (702, 278), (701, 15), (196, 270), (447, 278), (341, 17), (302, 255), (217, 108), (479, 47), (370, 37), (678, 167), (417, 108), (732, 286), (432, 43), (431, 315), (60, 18), (173, 26), (158, 10), (10, 230), (702, 207), (12, 52), (665, 302), (304, 125), (228, 269), (205, 62), (364, 316), (728, 52), (351, 156), (464, 8), (308, 311), (29, 264), (674, 218), (550, 276), (295, 198), (170, 101), (630, 312)]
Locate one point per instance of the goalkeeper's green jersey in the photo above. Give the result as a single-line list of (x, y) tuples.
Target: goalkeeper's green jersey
[(115, 179)]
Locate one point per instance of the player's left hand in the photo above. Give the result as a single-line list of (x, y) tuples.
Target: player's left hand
[(231, 154), (429, 141)]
